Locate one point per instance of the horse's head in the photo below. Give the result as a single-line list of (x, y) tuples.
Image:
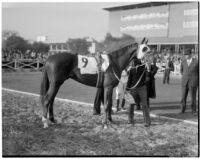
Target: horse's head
[(143, 49)]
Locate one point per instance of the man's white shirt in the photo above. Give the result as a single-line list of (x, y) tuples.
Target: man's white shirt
[(189, 61)]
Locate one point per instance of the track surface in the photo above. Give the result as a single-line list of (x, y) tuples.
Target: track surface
[(166, 104), (79, 133)]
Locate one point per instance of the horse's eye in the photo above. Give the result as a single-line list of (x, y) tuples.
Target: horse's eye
[(144, 49)]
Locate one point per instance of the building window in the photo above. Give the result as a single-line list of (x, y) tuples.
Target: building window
[(144, 27), (190, 24), (189, 12), (144, 16)]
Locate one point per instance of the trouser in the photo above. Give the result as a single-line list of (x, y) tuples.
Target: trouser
[(137, 101), (141, 93), (97, 102), (120, 94), (193, 91), (166, 75), (131, 113)]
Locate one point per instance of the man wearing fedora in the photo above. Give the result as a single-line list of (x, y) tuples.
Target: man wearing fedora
[(189, 71)]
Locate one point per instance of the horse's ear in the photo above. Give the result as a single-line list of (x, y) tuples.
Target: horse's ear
[(143, 40), (146, 41)]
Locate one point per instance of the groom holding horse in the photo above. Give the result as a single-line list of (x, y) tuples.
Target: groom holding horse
[(137, 87)]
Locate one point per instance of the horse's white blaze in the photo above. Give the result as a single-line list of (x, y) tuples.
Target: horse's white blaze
[(142, 53)]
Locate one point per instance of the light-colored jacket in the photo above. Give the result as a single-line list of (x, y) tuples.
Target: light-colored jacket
[(190, 73), (121, 88)]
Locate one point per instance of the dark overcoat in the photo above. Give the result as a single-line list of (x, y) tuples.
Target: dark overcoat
[(150, 81)]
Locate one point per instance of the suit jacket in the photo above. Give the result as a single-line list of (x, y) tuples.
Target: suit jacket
[(135, 74), (171, 65), (150, 80), (190, 73)]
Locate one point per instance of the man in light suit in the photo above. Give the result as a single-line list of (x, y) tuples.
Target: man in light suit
[(189, 71)]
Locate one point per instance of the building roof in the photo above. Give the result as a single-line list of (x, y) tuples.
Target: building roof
[(140, 5)]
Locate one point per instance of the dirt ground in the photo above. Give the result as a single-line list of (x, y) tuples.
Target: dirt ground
[(79, 133)]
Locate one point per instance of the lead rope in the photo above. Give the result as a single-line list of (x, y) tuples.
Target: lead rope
[(132, 68), (138, 80)]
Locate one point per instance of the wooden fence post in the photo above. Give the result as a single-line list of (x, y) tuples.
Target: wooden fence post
[(38, 64), (15, 64)]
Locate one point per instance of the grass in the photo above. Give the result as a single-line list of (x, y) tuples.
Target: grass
[(79, 133)]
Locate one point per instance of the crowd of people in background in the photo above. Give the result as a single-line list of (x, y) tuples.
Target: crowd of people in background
[(28, 55), (161, 58)]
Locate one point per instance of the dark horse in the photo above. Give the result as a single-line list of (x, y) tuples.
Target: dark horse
[(61, 67)]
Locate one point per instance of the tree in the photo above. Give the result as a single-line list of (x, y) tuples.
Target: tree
[(7, 33), (15, 42), (40, 47), (78, 46)]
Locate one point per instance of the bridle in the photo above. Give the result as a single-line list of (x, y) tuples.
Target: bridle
[(130, 60), (136, 69)]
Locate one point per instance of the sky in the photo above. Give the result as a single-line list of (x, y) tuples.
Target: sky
[(58, 21)]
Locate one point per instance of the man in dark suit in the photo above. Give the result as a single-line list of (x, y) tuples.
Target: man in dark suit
[(150, 82), (137, 86), (189, 71), (169, 66), (150, 79)]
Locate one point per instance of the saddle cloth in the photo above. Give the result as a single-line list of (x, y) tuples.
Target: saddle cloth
[(88, 64)]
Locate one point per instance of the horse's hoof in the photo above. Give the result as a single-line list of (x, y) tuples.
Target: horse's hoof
[(45, 125), (96, 113), (110, 120), (53, 121), (45, 122), (105, 126)]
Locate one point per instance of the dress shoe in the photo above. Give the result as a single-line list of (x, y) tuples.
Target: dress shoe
[(123, 108), (131, 122), (147, 125), (138, 108)]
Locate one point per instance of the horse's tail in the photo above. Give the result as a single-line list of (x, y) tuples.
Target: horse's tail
[(44, 85)]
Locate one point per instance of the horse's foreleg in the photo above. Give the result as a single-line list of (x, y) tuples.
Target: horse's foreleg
[(107, 106), (110, 105)]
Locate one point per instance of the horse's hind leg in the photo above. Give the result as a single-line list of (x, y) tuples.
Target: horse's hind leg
[(48, 103), (55, 91)]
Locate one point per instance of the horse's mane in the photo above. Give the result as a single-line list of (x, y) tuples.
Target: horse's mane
[(120, 52)]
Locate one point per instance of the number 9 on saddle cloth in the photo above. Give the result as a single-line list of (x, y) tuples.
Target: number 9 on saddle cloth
[(91, 65)]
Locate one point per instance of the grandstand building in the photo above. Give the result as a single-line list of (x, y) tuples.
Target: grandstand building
[(58, 47), (170, 26)]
